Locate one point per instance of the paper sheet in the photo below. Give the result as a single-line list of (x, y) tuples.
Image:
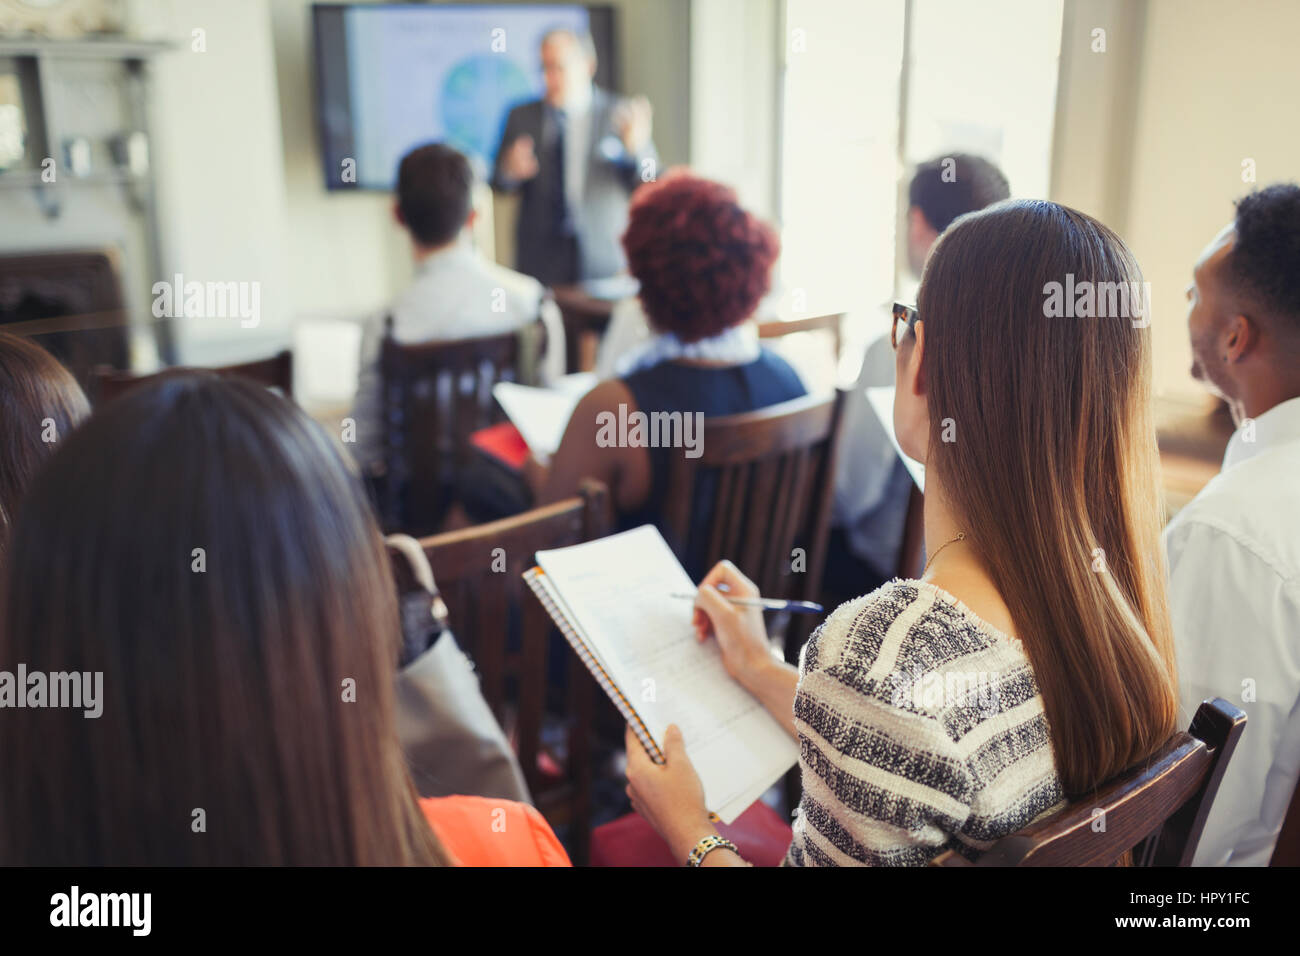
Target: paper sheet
[(542, 414)]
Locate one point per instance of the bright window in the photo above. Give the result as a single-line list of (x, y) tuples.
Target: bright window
[(980, 78)]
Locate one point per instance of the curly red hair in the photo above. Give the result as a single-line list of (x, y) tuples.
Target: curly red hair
[(702, 260)]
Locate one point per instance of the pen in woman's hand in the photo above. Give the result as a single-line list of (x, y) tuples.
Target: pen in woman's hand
[(767, 604)]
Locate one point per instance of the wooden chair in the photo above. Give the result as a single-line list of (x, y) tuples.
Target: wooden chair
[(1158, 810), (1286, 852), (273, 372), (585, 320), (435, 394), (832, 323), (772, 474), (478, 572)]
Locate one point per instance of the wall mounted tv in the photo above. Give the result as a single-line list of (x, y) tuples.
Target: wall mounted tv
[(392, 76)]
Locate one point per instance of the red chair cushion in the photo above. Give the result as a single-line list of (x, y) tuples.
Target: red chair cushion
[(759, 833)]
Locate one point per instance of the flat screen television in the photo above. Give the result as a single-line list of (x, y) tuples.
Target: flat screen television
[(392, 76)]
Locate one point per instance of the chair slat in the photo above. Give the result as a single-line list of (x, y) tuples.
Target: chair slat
[(483, 595), (1158, 808), (436, 395), (273, 372), (773, 471)]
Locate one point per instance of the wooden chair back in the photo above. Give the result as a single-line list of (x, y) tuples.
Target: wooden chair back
[(435, 395), (478, 572), (1158, 810), (273, 372), (585, 319), (772, 474), (832, 323)]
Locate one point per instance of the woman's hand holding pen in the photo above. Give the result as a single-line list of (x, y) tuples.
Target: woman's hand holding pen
[(742, 636), (670, 796), (740, 631)]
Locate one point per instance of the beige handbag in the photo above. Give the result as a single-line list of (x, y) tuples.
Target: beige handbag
[(452, 742)]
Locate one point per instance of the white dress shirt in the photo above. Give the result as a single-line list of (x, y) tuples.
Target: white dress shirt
[(1234, 561), (456, 294), (872, 485)]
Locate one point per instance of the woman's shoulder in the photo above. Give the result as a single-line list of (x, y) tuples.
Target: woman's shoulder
[(486, 831), (779, 368), (905, 627)]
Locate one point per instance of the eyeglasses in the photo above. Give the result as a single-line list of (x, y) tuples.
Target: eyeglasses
[(902, 313)]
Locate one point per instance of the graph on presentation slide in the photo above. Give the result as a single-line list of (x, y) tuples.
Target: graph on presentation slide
[(416, 79)]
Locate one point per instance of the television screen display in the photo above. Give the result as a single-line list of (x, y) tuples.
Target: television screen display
[(390, 77)]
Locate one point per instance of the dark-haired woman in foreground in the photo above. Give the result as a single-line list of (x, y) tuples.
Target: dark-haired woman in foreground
[(1033, 660), (40, 404), (200, 544)]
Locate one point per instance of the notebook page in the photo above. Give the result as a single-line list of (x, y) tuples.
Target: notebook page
[(617, 590)]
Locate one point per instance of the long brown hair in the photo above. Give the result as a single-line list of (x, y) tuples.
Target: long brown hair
[(201, 543), (40, 404), (1054, 469)]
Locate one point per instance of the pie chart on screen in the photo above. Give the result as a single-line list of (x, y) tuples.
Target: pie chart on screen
[(475, 94)]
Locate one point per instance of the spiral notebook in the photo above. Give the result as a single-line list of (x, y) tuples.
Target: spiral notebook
[(611, 600)]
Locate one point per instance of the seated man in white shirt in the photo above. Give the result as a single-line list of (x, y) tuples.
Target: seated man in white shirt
[(1234, 551), (872, 485), (456, 293)]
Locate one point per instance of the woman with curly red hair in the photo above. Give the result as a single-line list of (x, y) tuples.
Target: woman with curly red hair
[(703, 263)]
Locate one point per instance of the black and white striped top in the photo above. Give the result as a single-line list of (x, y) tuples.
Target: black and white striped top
[(921, 729)]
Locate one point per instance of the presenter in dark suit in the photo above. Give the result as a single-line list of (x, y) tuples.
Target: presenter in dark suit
[(574, 156)]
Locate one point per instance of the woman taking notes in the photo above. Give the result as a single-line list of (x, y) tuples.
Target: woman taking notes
[(1033, 659)]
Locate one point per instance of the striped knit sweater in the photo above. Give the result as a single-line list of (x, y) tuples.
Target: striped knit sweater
[(921, 729)]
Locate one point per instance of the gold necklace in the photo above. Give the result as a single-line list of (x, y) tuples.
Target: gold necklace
[(961, 536)]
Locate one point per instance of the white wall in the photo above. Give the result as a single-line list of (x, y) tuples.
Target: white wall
[(347, 256), (1096, 108), (1151, 135), (735, 97), (1218, 86), (217, 153)]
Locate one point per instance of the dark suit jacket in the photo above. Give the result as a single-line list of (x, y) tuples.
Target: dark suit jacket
[(599, 217)]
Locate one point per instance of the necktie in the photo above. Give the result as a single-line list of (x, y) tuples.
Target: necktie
[(563, 215)]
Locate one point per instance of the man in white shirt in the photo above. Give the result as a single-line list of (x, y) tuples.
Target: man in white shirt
[(456, 293), (1234, 551), (872, 486)]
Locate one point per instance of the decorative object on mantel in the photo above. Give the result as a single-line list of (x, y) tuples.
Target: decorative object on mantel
[(130, 151), (60, 19), (13, 122), (76, 151)]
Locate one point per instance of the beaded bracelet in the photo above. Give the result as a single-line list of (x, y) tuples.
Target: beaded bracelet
[(706, 845)]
